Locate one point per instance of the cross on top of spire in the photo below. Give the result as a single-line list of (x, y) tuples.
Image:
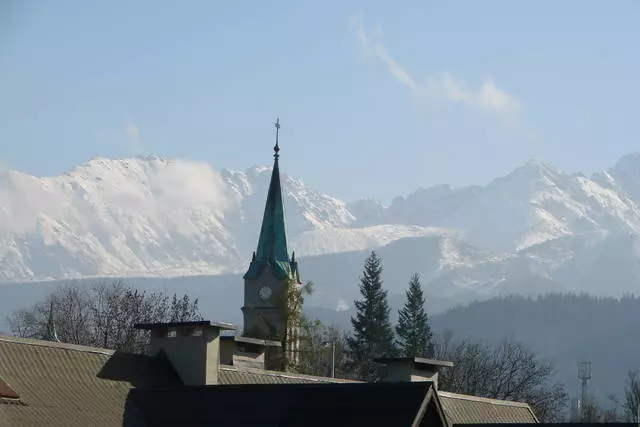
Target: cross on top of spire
[(276, 148)]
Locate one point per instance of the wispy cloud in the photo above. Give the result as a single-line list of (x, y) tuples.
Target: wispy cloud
[(488, 96), (378, 49), (124, 137), (132, 132)]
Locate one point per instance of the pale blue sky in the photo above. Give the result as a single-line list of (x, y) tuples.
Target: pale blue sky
[(376, 98)]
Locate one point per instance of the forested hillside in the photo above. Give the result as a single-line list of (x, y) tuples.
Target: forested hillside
[(565, 328)]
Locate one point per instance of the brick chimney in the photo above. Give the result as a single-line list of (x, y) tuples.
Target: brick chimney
[(193, 348), (412, 369)]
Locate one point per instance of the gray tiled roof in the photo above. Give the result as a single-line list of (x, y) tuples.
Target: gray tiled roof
[(58, 386), (236, 375), (65, 385), (464, 409), (69, 385), (458, 408)]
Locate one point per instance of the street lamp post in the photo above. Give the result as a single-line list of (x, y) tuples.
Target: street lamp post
[(333, 356), (333, 359)]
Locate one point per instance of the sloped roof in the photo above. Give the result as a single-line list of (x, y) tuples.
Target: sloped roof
[(69, 385), (464, 409), (368, 404), (458, 408), (229, 375)]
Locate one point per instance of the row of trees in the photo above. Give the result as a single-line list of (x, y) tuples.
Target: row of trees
[(373, 335), (508, 371), (102, 314)]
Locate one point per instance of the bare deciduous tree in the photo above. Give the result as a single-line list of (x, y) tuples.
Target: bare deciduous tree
[(632, 397), (591, 412), (612, 414), (507, 371), (102, 314), (321, 348)]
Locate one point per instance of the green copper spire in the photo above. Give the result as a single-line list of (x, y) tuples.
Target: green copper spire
[(272, 245), (50, 332)]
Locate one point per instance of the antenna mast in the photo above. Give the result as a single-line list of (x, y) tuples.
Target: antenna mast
[(584, 374)]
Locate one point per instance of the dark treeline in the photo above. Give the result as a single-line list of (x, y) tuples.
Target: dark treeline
[(565, 328)]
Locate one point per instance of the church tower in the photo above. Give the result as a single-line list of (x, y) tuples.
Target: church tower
[(272, 279)]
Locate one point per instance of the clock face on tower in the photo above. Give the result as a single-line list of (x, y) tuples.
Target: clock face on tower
[(265, 293)]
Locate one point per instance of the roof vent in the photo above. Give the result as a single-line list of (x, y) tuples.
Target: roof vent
[(7, 393)]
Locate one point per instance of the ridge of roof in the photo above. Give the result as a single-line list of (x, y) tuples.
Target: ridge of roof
[(483, 399), (291, 375), (53, 344)]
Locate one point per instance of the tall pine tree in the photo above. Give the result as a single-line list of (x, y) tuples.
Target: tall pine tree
[(414, 332), (372, 331)]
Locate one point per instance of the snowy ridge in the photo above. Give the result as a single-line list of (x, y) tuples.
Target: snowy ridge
[(331, 240), (148, 216), (531, 205)]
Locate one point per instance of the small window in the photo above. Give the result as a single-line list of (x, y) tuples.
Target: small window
[(172, 333), (187, 331)]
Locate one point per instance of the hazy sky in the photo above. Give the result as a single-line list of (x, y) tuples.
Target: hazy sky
[(376, 98)]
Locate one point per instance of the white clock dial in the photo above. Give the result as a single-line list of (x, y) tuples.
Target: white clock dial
[(265, 293)]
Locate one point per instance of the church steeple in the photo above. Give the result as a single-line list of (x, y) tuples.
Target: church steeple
[(272, 247), (50, 331)]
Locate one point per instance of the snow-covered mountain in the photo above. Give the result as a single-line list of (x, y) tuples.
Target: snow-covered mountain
[(151, 216), (533, 204), (533, 230)]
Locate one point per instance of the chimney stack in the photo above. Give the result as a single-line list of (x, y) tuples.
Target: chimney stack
[(250, 352), (412, 369), (193, 348)]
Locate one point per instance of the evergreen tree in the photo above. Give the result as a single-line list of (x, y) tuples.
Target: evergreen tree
[(413, 324), (372, 331)]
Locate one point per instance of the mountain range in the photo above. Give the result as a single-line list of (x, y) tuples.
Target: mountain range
[(533, 231)]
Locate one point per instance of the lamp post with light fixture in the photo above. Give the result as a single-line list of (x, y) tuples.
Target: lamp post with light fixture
[(333, 356)]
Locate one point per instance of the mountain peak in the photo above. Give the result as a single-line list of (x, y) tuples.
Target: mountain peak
[(629, 164), (99, 163), (537, 164), (532, 169), (257, 170), (145, 213), (151, 158)]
